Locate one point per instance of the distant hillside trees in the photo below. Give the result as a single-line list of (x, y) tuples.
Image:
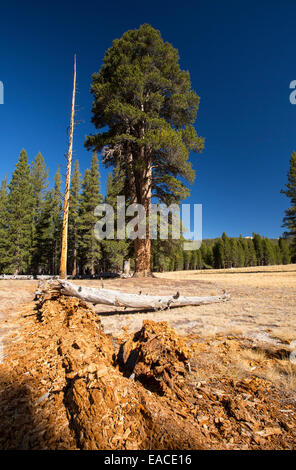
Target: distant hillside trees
[(227, 252), (289, 221)]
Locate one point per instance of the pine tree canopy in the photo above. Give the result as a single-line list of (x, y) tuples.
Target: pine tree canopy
[(39, 180), (146, 102)]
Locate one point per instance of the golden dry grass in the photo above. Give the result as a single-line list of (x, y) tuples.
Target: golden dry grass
[(280, 372), (262, 304), (255, 276)]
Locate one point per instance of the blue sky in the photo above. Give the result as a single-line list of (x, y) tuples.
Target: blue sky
[(241, 57)]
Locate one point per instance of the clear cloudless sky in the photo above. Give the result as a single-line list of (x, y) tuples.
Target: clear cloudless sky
[(241, 57)]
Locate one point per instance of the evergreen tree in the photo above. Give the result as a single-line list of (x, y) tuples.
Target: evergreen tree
[(285, 252), (278, 254), (145, 101), (241, 256), (39, 178), (258, 245), (57, 198), (289, 220), (218, 254), (227, 251), (199, 261), (179, 260), (115, 186), (187, 259), (3, 225), (252, 257), (49, 229), (268, 252), (235, 255), (209, 257), (193, 259), (115, 251), (242, 252), (39, 175), (89, 246), (73, 224), (44, 229), (20, 217), (203, 251)]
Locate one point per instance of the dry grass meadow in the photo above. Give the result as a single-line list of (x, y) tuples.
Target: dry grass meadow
[(262, 304)]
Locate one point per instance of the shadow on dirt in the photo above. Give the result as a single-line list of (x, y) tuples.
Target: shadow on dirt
[(18, 423), (125, 312)]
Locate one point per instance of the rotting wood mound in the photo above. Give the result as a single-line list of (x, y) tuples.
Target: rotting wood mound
[(158, 358), (65, 385)]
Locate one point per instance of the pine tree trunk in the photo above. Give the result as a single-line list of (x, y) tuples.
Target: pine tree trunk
[(142, 247)]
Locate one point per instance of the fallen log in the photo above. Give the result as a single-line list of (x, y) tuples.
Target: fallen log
[(123, 299)]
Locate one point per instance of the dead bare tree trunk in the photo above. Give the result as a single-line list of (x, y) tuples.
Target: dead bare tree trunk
[(74, 270), (64, 250)]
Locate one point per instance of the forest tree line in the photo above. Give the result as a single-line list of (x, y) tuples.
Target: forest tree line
[(31, 222), (227, 252)]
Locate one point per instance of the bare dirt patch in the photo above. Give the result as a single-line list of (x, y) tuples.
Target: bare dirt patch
[(69, 385)]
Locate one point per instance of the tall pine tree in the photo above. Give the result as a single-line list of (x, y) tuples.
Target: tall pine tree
[(49, 229), (39, 176), (258, 245), (145, 101), (219, 254), (285, 252), (252, 257), (227, 251), (20, 217), (268, 252)]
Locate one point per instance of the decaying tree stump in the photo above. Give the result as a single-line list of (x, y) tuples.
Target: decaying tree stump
[(123, 299)]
